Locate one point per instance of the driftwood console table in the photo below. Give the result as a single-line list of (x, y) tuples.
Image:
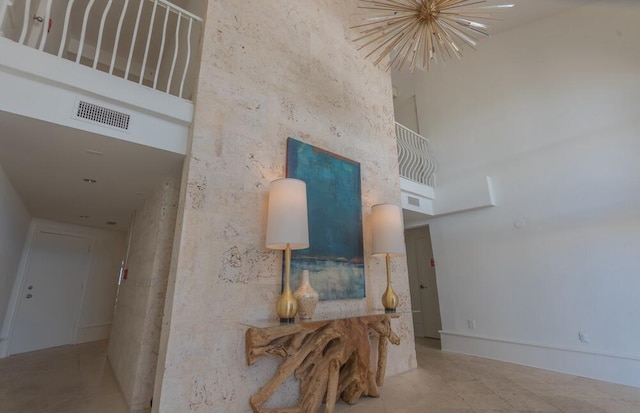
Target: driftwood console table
[(330, 357)]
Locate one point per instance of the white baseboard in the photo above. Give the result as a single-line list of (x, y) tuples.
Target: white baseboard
[(93, 333), (614, 368)]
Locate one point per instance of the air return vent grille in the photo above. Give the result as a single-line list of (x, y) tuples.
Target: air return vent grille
[(102, 115), (413, 201)]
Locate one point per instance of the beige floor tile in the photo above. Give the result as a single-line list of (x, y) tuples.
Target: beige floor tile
[(114, 403), (529, 402), (482, 402), (30, 404), (615, 406), (470, 387), (79, 379), (365, 405)]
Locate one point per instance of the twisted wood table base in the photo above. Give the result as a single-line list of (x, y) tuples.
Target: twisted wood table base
[(330, 358)]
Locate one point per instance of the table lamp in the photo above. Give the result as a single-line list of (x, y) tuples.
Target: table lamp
[(287, 229), (388, 240)]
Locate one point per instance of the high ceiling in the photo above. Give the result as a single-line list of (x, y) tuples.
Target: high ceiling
[(524, 12), (48, 163), (527, 11)]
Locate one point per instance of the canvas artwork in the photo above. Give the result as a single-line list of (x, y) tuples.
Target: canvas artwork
[(335, 257)]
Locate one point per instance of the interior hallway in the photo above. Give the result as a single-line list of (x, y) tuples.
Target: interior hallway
[(78, 379)]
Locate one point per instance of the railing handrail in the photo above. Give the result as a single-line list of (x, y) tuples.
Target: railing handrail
[(414, 157), (166, 40), (173, 7), (401, 126)]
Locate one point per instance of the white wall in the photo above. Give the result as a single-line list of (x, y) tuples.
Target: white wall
[(50, 89), (99, 292), (550, 112), (96, 314), (14, 223)]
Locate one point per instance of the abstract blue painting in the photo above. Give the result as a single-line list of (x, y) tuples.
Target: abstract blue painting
[(335, 257)]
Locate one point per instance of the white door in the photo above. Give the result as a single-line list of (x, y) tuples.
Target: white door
[(422, 282), (51, 292)]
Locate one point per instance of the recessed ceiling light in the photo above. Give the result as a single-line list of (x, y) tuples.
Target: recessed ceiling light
[(92, 152), (111, 222), (90, 180)]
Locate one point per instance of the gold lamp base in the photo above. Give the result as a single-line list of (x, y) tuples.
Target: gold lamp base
[(287, 306), (389, 298)]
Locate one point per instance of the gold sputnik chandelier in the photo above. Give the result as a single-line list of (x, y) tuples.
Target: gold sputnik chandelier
[(418, 32)]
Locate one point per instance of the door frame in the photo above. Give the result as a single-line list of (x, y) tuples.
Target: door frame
[(37, 226), (417, 282)]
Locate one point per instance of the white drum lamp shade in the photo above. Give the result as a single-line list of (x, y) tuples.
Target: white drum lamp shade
[(287, 221), (388, 230)]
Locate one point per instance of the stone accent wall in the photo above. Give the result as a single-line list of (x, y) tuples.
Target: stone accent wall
[(269, 70), (135, 336)]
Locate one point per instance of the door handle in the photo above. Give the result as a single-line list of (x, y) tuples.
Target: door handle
[(422, 286), (29, 295)]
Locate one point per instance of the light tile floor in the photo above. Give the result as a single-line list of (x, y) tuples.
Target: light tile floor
[(78, 379), (69, 379), (452, 383)]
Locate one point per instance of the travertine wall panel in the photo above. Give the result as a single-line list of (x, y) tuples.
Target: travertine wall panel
[(269, 71), (135, 336)]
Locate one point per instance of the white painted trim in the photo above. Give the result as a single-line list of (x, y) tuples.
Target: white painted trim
[(611, 367), (417, 188), (37, 226), (49, 69), (463, 195), (54, 99), (92, 333)]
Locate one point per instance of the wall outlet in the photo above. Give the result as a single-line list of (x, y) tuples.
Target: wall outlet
[(584, 337), (471, 324)]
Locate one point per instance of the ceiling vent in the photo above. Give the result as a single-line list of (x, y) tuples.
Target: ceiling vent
[(413, 201), (102, 115)]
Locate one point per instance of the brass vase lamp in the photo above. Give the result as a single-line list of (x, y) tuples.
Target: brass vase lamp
[(287, 229), (388, 240)]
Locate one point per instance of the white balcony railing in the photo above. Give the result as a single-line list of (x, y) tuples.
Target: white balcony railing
[(151, 42), (416, 163)]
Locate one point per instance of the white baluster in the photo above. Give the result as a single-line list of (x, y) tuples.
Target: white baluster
[(164, 36), (25, 21), (96, 58), (188, 58), (117, 40), (45, 26), (146, 49), (84, 29), (133, 40), (67, 15), (175, 51)]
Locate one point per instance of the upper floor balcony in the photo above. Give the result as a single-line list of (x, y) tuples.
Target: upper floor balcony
[(127, 67), (420, 197)]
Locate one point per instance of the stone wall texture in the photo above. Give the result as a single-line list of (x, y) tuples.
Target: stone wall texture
[(270, 70), (135, 333)]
